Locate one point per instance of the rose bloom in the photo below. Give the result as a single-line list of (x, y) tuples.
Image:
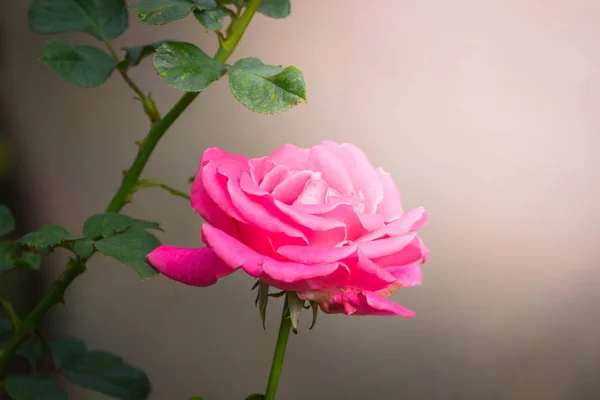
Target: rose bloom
[(322, 222)]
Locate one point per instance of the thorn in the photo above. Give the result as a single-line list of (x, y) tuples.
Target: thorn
[(124, 172)]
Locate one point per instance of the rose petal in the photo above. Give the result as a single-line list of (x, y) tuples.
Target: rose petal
[(313, 192), (294, 158), (290, 188), (390, 206), (282, 275), (259, 167), (367, 275), (313, 255), (407, 276), (209, 210), (274, 177), (364, 176), (333, 168), (363, 303), (385, 247), (194, 267), (413, 252), (412, 221)]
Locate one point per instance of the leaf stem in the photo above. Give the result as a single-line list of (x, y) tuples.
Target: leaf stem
[(149, 106), (148, 183), (130, 179), (280, 347)]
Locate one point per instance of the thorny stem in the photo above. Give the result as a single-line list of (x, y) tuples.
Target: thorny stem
[(130, 179)]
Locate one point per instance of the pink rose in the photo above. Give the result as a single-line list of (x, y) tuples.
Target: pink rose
[(322, 222)]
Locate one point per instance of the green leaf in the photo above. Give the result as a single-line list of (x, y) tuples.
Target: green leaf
[(266, 89), (211, 20), (131, 248), (31, 349), (160, 12), (255, 396), (25, 387), (29, 260), (9, 252), (99, 371), (7, 220), (135, 55), (106, 224), (47, 237), (186, 67), (102, 19), (275, 8), (84, 248), (85, 66)]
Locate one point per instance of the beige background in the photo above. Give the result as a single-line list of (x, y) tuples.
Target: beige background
[(485, 112)]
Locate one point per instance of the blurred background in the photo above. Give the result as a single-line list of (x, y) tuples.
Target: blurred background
[(485, 112)]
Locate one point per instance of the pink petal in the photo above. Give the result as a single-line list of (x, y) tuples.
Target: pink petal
[(413, 252), (290, 188), (195, 267), (391, 205), (209, 210), (313, 192), (367, 275), (407, 276), (364, 303), (332, 167), (282, 275), (409, 222), (295, 158), (259, 167), (385, 247), (253, 209), (215, 183), (319, 230), (313, 255), (364, 176), (274, 177)]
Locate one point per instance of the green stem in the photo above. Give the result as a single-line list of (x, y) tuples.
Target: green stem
[(277, 364), (130, 179), (53, 297), (148, 183), (149, 106)]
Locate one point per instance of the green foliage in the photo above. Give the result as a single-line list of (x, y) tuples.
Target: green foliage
[(29, 260), (9, 253), (25, 387), (85, 66), (256, 396), (84, 248), (47, 237), (7, 220), (186, 67), (99, 371), (160, 12), (31, 349), (107, 224), (266, 89), (211, 19), (135, 55), (131, 248), (106, 19), (275, 8)]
